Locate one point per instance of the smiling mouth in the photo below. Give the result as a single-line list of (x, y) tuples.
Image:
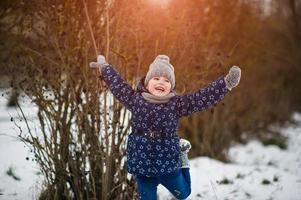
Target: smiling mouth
[(161, 89)]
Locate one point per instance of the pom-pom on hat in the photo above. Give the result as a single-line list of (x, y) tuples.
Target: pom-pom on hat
[(161, 67)]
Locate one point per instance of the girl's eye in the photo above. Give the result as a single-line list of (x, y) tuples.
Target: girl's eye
[(156, 78), (166, 80)]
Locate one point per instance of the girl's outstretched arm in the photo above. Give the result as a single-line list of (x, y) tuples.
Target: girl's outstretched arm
[(208, 97), (119, 88)]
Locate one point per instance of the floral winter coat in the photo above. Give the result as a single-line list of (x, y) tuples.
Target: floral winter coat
[(153, 156)]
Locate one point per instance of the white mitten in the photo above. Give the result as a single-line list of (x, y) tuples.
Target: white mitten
[(233, 77), (185, 146), (101, 62)]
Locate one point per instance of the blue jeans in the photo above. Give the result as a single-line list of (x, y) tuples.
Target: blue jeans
[(179, 184)]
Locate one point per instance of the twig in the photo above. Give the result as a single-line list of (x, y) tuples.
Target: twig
[(40, 54), (90, 28), (213, 190), (4, 134), (107, 32), (233, 49)]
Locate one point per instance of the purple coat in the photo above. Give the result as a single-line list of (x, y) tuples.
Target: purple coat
[(147, 156)]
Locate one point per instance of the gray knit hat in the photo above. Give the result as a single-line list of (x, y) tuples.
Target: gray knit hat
[(161, 67)]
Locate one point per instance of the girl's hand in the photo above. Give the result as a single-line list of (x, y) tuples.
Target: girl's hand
[(101, 62), (233, 77)]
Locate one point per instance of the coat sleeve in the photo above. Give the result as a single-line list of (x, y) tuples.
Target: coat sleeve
[(202, 99), (119, 88)]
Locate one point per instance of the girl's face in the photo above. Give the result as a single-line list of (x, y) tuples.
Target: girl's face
[(159, 86)]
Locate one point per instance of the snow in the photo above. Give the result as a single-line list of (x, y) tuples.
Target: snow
[(13, 154), (256, 172)]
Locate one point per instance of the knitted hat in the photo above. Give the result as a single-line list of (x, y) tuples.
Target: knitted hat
[(161, 67)]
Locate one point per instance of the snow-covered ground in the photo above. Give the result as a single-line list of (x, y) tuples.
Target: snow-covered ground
[(257, 172), (19, 177)]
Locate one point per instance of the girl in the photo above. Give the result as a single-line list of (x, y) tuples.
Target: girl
[(155, 154)]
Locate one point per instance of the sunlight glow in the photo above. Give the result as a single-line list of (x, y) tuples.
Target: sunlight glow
[(161, 3)]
